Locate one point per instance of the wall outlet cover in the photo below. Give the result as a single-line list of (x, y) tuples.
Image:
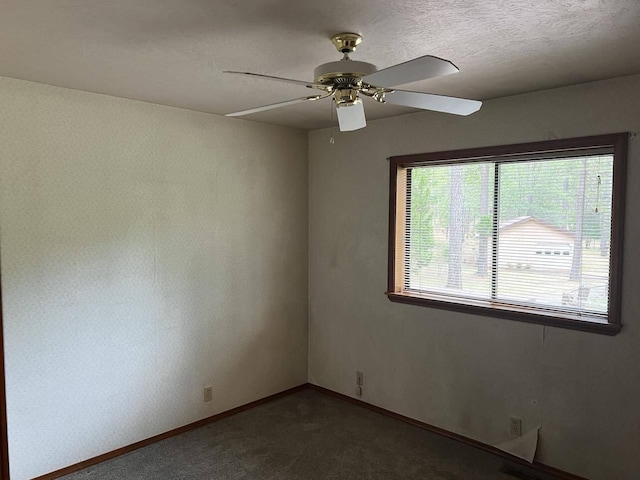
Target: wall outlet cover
[(208, 394), (515, 427)]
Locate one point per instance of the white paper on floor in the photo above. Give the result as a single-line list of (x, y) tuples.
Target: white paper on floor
[(522, 447)]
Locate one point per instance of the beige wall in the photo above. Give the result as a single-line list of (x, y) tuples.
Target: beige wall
[(147, 252), (462, 372)]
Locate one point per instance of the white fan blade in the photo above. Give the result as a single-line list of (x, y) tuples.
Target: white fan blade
[(428, 101), (280, 79), (419, 68), (275, 105), (351, 117)]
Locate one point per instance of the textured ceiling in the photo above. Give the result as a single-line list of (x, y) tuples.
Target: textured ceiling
[(172, 52)]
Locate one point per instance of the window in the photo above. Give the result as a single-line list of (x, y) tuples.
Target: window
[(529, 232)]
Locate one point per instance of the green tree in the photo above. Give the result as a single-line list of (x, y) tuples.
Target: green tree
[(576, 264), (483, 226), (421, 228), (456, 227)]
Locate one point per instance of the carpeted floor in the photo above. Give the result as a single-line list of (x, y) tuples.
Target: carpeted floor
[(307, 435)]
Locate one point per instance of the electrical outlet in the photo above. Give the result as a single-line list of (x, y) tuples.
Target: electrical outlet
[(359, 391), (515, 427), (359, 379), (208, 394)]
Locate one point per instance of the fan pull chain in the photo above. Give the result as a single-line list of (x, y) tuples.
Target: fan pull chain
[(331, 139), (599, 182)]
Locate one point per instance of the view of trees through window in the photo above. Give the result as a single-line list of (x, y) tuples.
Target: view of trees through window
[(524, 232)]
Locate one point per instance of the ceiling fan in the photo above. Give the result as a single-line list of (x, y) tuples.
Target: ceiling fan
[(346, 80)]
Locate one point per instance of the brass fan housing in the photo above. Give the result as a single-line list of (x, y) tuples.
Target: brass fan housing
[(346, 42), (345, 97), (342, 72)]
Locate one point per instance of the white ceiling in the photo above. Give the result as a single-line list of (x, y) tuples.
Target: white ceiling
[(172, 52)]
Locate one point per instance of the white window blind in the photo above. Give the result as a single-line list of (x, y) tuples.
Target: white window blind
[(534, 234)]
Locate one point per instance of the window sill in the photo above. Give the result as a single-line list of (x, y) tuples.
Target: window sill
[(509, 313)]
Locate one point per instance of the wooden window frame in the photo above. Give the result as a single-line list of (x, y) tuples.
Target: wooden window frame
[(4, 444), (525, 151)]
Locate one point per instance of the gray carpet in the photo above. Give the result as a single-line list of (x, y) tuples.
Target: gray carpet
[(307, 435)]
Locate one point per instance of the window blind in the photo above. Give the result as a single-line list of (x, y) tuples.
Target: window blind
[(529, 233)]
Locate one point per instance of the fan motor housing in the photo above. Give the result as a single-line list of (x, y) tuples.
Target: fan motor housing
[(342, 72), (345, 97)]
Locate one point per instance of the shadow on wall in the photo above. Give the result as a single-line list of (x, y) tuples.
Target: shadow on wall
[(122, 323)]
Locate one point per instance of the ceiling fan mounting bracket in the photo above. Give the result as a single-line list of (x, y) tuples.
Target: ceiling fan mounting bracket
[(346, 42)]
